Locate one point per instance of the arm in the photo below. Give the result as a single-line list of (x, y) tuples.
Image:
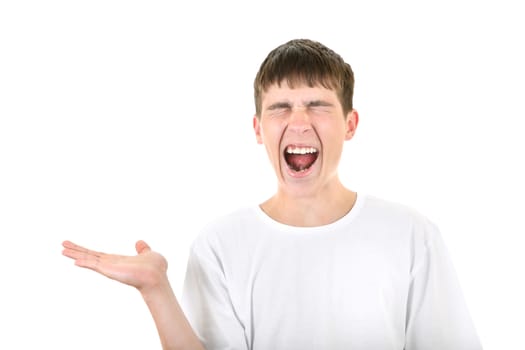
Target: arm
[(145, 271), (437, 317)]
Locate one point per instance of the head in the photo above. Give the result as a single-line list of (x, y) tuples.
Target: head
[(304, 114), (305, 62)]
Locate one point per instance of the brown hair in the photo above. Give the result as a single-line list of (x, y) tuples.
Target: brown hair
[(304, 61)]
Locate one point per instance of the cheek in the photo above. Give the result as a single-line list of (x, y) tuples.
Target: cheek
[(271, 133), (271, 138), (330, 132), (332, 137)]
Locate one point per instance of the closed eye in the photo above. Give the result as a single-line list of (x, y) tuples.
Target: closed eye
[(318, 103), (278, 108), (320, 106)]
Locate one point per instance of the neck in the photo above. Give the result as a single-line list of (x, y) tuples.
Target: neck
[(317, 209)]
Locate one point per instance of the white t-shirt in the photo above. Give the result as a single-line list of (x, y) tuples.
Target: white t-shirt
[(380, 278)]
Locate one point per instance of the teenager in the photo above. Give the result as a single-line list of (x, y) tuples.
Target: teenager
[(316, 265)]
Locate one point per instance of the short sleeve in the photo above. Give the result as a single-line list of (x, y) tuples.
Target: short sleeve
[(206, 301), (437, 314)]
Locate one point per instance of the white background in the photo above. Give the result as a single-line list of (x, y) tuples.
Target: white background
[(126, 120)]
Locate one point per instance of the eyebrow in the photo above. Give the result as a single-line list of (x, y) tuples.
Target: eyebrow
[(318, 103), (279, 105)]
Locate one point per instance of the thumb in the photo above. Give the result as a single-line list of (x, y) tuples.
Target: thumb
[(142, 247)]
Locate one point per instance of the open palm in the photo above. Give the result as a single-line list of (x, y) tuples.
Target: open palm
[(144, 270)]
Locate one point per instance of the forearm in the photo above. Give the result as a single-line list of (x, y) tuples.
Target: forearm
[(174, 330)]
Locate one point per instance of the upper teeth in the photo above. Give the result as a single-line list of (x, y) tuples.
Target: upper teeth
[(300, 150)]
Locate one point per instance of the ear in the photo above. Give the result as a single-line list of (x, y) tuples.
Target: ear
[(352, 119), (257, 129)]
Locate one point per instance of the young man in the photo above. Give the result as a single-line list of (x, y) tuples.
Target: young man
[(316, 266)]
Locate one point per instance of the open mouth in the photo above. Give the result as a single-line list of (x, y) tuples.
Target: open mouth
[(300, 158)]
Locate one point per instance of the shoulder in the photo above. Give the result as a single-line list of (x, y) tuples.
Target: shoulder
[(232, 221), (394, 215), (223, 231), (385, 208), (403, 227)]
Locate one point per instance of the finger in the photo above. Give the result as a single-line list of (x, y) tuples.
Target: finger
[(71, 245), (68, 245), (142, 247), (76, 254), (82, 259), (92, 263)]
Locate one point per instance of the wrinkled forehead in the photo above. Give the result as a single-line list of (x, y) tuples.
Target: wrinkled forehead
[(299, 93)]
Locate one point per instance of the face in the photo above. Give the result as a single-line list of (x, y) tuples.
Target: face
[(303, 130)]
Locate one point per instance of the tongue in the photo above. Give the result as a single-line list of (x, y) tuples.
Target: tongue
[(300, 161)]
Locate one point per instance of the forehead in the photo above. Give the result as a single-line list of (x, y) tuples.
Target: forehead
[(298, 94)]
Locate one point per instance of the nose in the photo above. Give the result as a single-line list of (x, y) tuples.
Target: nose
[(299, 120)]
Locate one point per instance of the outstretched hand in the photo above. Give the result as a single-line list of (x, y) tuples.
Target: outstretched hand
[(145, 270)]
